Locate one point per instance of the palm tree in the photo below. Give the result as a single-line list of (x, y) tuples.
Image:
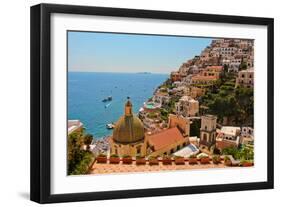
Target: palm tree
[(88, 138)]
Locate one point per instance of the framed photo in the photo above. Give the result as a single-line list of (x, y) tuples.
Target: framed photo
[(132, 103)]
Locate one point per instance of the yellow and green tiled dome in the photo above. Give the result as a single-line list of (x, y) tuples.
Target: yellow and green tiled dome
[(129, 128)]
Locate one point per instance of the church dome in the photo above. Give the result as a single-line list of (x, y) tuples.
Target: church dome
[(129, 128)]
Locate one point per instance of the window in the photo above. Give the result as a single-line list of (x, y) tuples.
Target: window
[(205, 137), (138, 149)]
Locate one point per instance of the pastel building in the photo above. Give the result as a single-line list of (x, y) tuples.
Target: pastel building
[(196, 92), (245, 78), (203, 79), (208, 75), (214, 70), (187, 106), (175, 76)]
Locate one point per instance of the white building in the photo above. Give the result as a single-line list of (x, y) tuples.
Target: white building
[(230, 132), (227, 51), (74, 126), (234, 65), (161, 98), (228, 136), (247, 136)]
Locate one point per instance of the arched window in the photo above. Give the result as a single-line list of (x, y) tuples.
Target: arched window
[(138, 149), (205, 137)]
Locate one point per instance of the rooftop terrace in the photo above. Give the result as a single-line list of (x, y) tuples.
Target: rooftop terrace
[(105, 168)]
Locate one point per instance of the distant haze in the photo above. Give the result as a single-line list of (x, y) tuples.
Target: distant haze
[(130, 53)]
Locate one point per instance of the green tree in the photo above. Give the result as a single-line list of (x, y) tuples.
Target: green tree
[(88, 138), (243, 66), (195, 128), (226, 101), (245, 101), (164, 114), (242, 153), (78, 159)]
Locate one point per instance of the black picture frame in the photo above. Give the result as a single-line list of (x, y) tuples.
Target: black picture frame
[(41, 96)]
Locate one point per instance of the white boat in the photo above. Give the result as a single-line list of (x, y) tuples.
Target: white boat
[(107, 105), (110, 126)]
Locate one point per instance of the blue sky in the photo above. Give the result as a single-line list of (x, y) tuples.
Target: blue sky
[(109, 52)]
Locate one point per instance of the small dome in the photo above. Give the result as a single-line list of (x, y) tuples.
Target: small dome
[(129, 128)]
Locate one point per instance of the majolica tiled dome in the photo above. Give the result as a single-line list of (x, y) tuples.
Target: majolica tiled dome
[(129, 128)]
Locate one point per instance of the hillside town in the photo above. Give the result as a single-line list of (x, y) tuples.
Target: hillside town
[(224, 67), (200, 117)]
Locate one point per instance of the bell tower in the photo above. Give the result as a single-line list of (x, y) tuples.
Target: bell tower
[(128, 107), (208, 130)]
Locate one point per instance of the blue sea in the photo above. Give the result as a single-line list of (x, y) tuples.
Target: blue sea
[(86, 90)]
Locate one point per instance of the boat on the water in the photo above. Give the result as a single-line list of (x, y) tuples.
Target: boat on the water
[(109, 98), (110, 126), (107, 105)]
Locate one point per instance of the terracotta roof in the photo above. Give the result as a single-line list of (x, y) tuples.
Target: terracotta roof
[(165, 138)]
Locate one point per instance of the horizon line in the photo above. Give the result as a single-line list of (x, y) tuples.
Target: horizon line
[(140, 72)]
